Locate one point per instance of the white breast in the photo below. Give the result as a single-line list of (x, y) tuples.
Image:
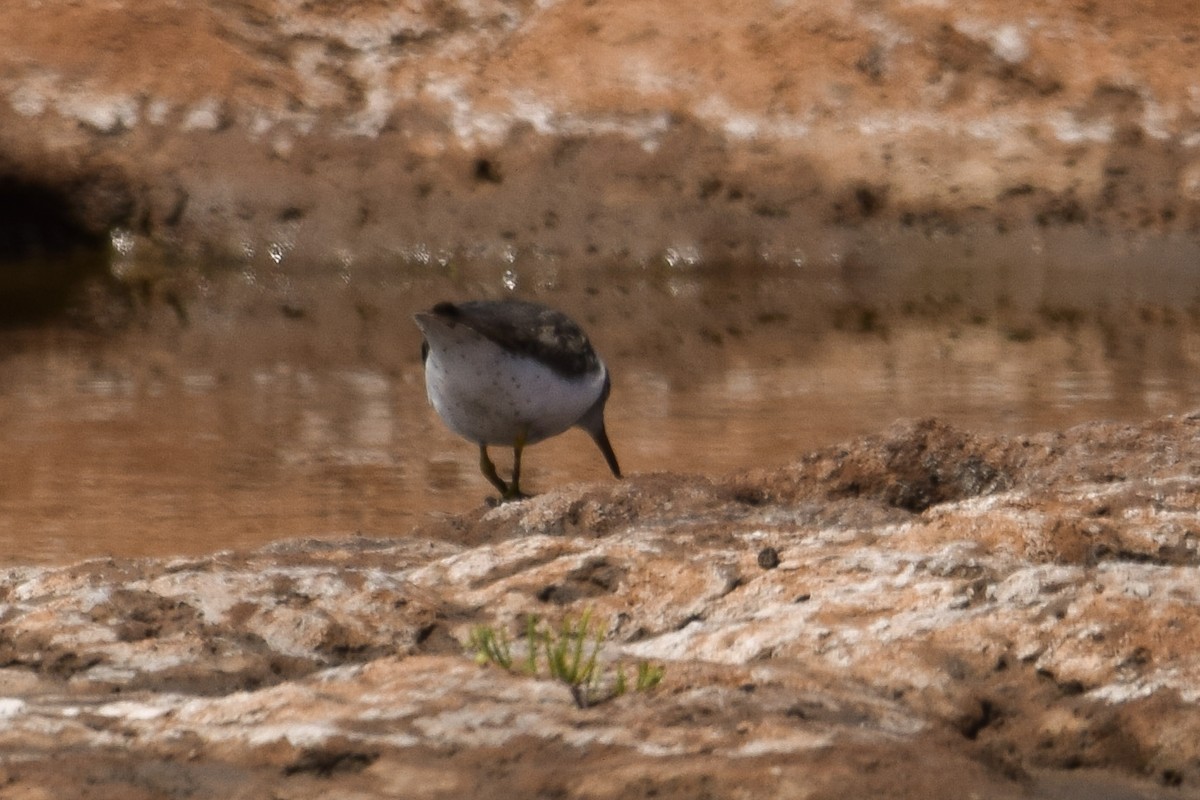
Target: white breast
[(490, 396)]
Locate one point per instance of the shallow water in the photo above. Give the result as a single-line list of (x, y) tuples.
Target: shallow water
[(205, 407)]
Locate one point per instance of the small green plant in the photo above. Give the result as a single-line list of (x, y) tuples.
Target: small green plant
[(565, 659), (649, 675), (571, 655), (490, 646)]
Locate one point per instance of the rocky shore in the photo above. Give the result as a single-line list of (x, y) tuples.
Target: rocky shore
[(347, 131), (924, 613)]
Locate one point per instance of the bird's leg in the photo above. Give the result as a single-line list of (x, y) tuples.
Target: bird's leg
[(489, 471), (514, 488)]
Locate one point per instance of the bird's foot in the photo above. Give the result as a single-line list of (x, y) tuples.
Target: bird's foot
[(508, 495), (513, 493)]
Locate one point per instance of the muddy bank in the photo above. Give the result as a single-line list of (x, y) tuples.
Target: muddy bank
[(344, 131), (922, 613)]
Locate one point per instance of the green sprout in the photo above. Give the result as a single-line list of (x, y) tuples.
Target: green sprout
[(490, 646), (649, 675), (571, 655)]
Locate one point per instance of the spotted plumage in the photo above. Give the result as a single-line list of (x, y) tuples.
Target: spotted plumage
[(513, 373)]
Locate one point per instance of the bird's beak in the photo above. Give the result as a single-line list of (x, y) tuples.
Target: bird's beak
[(593, 423), (600, 437)]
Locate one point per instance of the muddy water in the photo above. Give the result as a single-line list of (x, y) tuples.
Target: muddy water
[(208, 407)]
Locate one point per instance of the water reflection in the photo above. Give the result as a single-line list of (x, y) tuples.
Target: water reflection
[(284, 408)]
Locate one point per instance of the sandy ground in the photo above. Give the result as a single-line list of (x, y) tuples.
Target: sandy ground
[(923, 613)]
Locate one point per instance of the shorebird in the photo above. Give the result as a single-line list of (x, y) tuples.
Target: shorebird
[(512, 373)]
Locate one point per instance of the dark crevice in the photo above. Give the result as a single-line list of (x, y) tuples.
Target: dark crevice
[(46, 253), (971, 724), (39, 220)]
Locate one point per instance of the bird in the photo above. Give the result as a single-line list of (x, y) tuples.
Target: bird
[(512, 373)]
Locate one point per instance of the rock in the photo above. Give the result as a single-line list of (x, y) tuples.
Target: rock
[(1028, 627), (768, 558)]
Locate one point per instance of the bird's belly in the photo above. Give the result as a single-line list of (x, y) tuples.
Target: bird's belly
[(488, 396)]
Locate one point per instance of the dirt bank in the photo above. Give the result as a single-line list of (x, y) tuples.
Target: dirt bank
[(924, 613), (591, 128)]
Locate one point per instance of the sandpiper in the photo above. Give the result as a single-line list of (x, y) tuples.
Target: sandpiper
[(512, 373)]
